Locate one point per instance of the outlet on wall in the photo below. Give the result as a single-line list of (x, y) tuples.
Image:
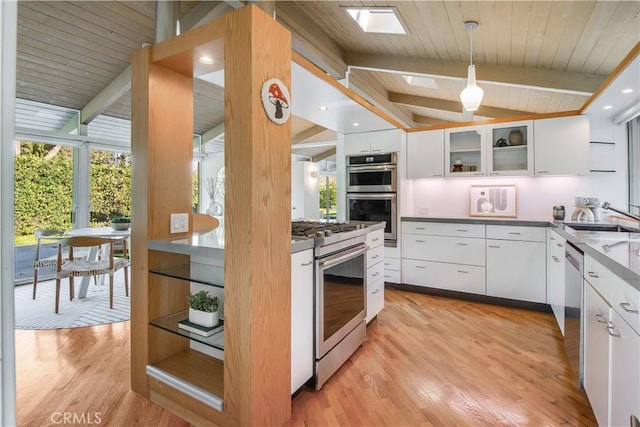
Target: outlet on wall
[(179, 223)]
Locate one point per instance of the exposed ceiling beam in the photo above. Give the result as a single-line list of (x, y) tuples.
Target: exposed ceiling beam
[(236, 4), (553, 80), (324, 155), (213, 133), (428, 120), (307, 134), (310, 40), (203, 12), (453, 106)]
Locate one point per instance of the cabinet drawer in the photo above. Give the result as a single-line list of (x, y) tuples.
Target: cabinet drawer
[(509, 232), (624, 299), (392, 264), (375, 299), (392, 276), (375, 272), (444, 229), (462, 278), (375, 256), (455, 250), (375, 238)]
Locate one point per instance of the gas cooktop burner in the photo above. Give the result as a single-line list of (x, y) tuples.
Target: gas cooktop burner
[(321, 229)]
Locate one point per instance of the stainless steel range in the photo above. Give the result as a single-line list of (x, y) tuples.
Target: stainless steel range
[(340, 292)]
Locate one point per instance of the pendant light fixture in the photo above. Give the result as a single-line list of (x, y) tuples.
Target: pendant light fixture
[(471, 96)]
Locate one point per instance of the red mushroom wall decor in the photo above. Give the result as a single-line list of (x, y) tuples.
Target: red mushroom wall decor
[(275, 100)]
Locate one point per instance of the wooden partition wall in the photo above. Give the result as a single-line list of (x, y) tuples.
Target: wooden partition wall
[(257, 222)]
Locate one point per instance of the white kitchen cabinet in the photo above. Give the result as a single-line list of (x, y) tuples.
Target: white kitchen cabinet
[(561, 146), (458, 250), (301, 318), (375, 273), (425, 154), (596, 353), (625, 371), (441, 275), (465, 151), (444, 229), (392, 268), (555, 276), (516, 270), (385, 141), (510, 148)]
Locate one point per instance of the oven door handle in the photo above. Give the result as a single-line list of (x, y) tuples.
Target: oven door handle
[(332, 260), (371, 168)]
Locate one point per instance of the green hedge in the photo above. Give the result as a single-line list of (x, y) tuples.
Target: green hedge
[(43, 191)]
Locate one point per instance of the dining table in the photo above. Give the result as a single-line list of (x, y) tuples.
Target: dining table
[(106, 232)]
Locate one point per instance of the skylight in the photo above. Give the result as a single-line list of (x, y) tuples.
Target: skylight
[(377, 20), (421, 81)]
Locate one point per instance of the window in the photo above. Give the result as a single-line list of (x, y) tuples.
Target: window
[(634, 163), (110, 193)]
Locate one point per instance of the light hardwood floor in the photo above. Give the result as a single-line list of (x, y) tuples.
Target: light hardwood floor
[(428, 361)]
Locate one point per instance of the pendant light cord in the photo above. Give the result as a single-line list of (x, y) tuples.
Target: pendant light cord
[(469, 30)]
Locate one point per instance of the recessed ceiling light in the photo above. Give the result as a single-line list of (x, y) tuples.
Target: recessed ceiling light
[(421, 82), (627, 90), (323, 108), (607, 107), (377, 20), (206, 59), (356, 124)]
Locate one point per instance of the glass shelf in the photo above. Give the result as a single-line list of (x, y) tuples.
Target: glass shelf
[(194, 272), (511, 148), (465, 150), (170, 324)]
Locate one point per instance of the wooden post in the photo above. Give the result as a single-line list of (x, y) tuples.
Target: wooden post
[(257, 225)]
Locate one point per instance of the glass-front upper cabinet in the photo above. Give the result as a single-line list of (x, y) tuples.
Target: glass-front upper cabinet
[(465, 150), (510, 148)]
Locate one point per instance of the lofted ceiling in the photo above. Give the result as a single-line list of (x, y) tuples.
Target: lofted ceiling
[(531, 56)]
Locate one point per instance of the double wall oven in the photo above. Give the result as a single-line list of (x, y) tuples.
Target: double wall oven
[(371, 191)]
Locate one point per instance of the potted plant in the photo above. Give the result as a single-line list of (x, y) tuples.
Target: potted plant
[(203, 309), (121, 223)]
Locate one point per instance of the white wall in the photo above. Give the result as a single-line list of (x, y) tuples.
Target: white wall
[(535, 195), (8, 37)]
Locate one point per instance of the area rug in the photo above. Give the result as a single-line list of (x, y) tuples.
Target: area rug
[(89, 311)]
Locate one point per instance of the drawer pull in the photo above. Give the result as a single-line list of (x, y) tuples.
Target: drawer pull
[(560, 245), (628, 307), (592, 274), (462, 230), (494, 173), (304, 264), (479, 174), (419, 228), (387, 263), (375, 256), (437, 175), (494, 246), (542, 172), (375, 292), (420, 266), (419, 241), (613, 331), (386, 276), (600, 318), (374, 239), (552, 238), (375, 274), (463, 272), (516, 233), (463, 244)]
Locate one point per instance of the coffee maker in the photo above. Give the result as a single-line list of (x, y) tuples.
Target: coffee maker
[(587, 209)]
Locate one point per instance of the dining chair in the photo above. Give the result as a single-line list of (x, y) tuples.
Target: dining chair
[(81, 266), (44, 236)]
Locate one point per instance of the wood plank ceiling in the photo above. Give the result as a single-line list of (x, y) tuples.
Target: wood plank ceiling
[(531, 56)]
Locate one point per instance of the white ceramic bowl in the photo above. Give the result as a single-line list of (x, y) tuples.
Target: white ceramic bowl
[(120, 226)]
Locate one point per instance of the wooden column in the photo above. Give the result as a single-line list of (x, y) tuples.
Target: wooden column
[(161, 144), (257, 225)]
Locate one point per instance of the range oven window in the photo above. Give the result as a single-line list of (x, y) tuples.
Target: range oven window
[(343, 286)]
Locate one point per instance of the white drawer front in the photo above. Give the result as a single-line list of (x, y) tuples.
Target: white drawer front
[(392, 276), (455, 250), (375, 272), (375, 256), (392, 264), (624, 299), (375, 299), (452, 277), (509, 232), (375, 238), (444, 229)]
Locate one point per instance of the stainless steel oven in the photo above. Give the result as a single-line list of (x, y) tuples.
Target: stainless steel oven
[(375, 207), (372, 173), (341, 292)]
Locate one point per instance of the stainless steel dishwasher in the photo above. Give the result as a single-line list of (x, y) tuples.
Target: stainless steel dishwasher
[(573, 301)]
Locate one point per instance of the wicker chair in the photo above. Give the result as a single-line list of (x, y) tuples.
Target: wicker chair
[(43, 237), (78, 267)]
